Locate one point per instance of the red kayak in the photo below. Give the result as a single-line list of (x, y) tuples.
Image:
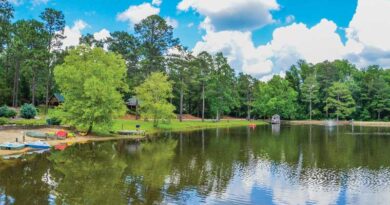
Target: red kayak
[(60, 147)]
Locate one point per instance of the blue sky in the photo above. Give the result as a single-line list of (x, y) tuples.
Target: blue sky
[(259, 37)]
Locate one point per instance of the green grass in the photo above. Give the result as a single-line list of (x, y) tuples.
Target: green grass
[(175, 125)]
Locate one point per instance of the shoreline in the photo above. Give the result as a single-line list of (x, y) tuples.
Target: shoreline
[(341, 122), (10, 135)]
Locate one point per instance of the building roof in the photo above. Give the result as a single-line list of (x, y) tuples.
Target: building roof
[(59, 97), (133, 101)]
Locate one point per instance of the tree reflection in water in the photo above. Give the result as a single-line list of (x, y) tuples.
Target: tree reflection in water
[(298, 165)]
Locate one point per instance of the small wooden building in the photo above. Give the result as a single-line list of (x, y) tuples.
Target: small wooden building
[(275, 119), (132, 103), (56, 100)]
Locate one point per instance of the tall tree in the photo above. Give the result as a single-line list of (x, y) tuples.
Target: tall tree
[(340, 100), (381, 99), (156, 37), (179, 70), (205, 64), (221, 90), (91, 81), (276, 97), (128, 46), (154, 94), (245, 90), (54, 22), (310, 90)]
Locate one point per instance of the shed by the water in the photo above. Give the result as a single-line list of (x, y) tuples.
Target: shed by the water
[(275, 119)]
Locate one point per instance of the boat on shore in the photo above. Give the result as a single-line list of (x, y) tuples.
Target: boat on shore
[(35, 134), (38, 145), (12, 146)]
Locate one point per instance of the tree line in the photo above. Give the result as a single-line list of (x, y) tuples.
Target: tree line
[(203, 85)]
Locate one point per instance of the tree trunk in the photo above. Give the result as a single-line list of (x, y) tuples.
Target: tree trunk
[(218, 115), (48, 84), (310, 108), (248, 117), (33, 88), (379, 115), (181, 104), (15, 91), (203, 101), (90, 128)]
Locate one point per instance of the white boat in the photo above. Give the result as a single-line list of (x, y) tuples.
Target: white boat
[(12, 146), (38, 145)]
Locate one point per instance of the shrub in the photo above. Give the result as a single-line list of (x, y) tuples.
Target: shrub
[(7, 112), (53, 121), (28, 111), (3, 121)]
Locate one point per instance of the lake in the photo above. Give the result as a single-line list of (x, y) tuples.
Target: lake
[(265, 165)]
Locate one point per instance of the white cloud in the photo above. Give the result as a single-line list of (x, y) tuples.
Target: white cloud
[(38, 2), (172, 22), (135, 14), (16, 2), (229, 14), (102, 34), (289, 44), (290, 19), (368, 33), (73, 33), (157, 2), (238, 47), (190, 25)]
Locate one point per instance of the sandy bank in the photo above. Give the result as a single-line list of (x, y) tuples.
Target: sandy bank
[(12, 135)]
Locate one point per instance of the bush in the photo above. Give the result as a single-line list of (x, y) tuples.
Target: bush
[(3, 121), (53, 121), (7, 112), (28, 111)]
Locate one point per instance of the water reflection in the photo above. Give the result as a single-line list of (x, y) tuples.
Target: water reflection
[(299, 165)]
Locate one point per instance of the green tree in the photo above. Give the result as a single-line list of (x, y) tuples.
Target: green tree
[(155, 37), (54, 24), (310, 90), (276, 97), (245, 87), (340, 100), (381, 99), (221, 92), (91, 81), (180, 65), (153, 95), (205, 64), (128, 46)]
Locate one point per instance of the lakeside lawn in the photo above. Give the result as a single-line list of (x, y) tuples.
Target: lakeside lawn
[(176, 125)]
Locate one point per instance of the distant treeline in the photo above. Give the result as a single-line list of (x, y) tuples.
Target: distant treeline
[(204, 85)]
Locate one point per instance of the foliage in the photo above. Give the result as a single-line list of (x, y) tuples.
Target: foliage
[(309, 92), (28, 111), (90, 80), (340, 101), (276, 97), (7, 112), (3, 121), (153, 95), (221, 94)]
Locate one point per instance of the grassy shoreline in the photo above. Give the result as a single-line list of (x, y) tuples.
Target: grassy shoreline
[(119, 124), (341, 122)]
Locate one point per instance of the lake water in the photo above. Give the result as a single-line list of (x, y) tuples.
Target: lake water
[(265, 165)]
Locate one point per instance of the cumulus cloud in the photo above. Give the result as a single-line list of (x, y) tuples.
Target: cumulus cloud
[(73, 34), (102, 34), (229, 14), (38, 2), (289, 44), (172, 22), (157, 2), (135, 14), (367, 41), (368, 33)]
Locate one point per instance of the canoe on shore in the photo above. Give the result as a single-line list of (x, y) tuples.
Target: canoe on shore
[(34, 134), (38, 145), (12, 146)]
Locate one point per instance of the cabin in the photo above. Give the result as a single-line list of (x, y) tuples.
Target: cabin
[(132, 103), (275, 119), (56, 100)]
